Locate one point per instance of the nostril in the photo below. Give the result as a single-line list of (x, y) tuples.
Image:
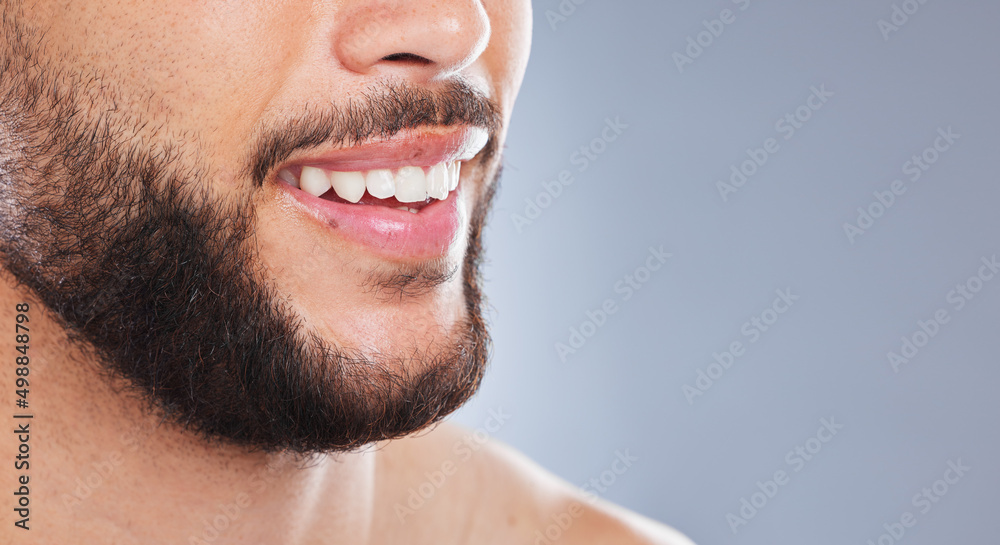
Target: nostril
[(407, 57)]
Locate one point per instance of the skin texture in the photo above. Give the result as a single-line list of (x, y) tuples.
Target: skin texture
[(183, 93), (330, 350)]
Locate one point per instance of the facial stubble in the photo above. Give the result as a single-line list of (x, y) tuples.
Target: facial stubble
[(159, 280)]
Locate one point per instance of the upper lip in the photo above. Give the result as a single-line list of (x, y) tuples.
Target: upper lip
[(408, 147)]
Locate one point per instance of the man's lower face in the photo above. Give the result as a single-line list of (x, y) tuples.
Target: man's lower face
[(225, 304)]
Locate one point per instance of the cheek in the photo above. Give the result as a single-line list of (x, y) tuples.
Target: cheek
[(507, 55), (237, 56), (204, 69)]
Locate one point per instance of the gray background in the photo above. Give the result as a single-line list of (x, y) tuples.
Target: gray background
[(827, 355)]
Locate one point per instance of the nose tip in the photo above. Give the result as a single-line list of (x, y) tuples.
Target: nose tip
[(419, 39)]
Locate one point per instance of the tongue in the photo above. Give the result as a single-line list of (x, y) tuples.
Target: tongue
[(367, 198)]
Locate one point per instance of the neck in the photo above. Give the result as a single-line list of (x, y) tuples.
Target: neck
[(103, 469)]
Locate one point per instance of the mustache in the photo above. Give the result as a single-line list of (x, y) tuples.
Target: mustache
[(381, 112)]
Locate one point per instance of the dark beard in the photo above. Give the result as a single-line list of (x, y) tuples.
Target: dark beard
[(160, 282)]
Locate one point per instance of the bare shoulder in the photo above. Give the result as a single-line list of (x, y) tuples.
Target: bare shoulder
[(457, 485)]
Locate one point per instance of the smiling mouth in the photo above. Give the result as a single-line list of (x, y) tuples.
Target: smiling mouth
[(409, 188), (399, 198)]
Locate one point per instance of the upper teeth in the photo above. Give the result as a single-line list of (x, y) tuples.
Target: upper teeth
[(407, 184)]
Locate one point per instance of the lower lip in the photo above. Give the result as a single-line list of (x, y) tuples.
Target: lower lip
[(388, 232)]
